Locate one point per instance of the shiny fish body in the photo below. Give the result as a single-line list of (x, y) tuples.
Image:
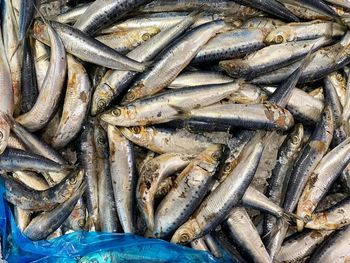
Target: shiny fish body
[(304, 31), (307, 161), (322, 178), (198, 78), (231, 44), (41, 56), (173, 61), (188, 191), (52, 88), (303, 106), (218, 203), (255, 116), (103, 13), (333, 218), (324, 61), (239, 224), (125, 41), (27, 198), (44, 224), (270, 58), (115, 82), (123, 171), (162, 108), (331, 98), (13, 159), (88, 49), (9, 25), (87, 159), (71, 15), (106, 204), (271, 7), (336, 249), (6, 98), (167, 140), (75, 106), (286, 157), (151, 175), (301, 246)]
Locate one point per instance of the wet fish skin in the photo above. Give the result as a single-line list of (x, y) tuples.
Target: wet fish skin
[(190, 187), (106, 204), (265, 116), (272, 7), (88, 49), (123, 171), (310, 156), (29, 199), (48, 99), (332, 218), (303, 31), (321, 179), (87, 159), (103, 13), (116, 82), (302, 245), (164, 107), (19, 160), (152, 174), (75, 106), (172, 61), (162, 140), (335, 249), (210, 214), (44, 224), (239, 224)]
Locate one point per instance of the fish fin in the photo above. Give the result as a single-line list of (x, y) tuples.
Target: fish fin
[(181, 112), (291, 217)]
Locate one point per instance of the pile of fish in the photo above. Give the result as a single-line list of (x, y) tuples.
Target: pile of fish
[(219, 125)]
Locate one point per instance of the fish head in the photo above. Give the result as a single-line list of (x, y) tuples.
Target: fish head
[(101, 98), (40, 31), (120, 116), (210, 158), (140, 134), (278, 36), (187, 232)]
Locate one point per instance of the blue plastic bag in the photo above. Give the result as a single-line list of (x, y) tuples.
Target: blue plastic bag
[(90, 247)]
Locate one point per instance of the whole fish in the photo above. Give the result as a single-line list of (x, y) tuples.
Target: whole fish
[(218, 203), (189, 189), (173, 60), (89, 49), (47, 102), (152, 174), (123, 172)]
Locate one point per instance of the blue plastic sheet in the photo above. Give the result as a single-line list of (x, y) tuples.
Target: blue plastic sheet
[(92, 247)]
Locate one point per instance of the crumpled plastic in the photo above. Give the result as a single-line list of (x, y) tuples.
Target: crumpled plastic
[(92, 247)]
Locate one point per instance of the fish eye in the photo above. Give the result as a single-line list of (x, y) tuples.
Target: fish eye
[(227, 167), (216, 156), (146, 36), (81, 222), (184, 238), (101, 104), (101, 140), (73, 181), (279, 39), (339, 77), (1, 135), (130, 96), (136, 130), (117, 112)]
